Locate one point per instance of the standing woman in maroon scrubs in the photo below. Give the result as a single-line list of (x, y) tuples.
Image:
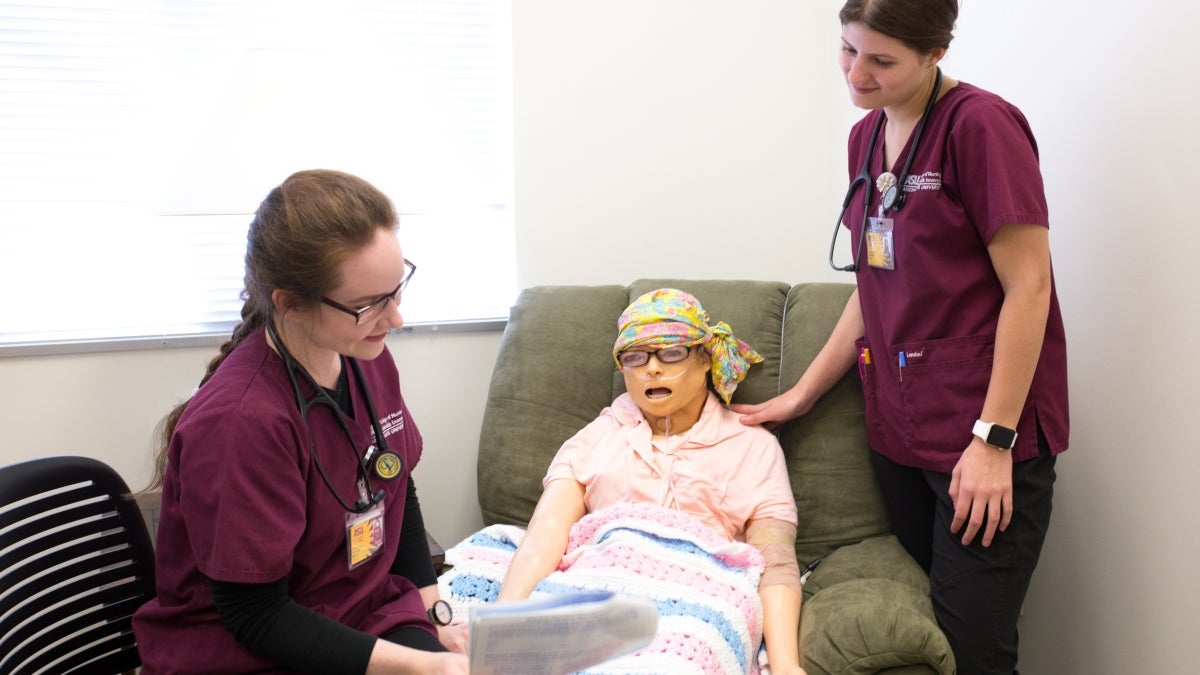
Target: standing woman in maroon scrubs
[(290, 538), (954, 325)]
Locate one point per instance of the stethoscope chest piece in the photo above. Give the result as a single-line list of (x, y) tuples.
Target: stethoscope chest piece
[(388, 465), (888, 189)]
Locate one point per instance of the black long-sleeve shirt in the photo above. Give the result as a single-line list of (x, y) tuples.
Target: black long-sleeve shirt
[(268, 622)]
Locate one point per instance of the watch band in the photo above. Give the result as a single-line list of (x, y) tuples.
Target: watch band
[(995, 435)]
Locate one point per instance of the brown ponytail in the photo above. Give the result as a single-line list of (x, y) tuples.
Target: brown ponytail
[(166, 426)]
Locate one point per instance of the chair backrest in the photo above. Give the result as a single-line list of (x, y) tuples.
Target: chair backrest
[(75, 562)]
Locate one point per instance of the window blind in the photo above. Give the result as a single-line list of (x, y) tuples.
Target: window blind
[(138, 136)]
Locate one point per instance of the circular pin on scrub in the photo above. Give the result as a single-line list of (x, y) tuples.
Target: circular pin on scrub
[(886, 184), (388, 465)]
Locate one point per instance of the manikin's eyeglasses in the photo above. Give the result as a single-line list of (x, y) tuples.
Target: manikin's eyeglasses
[(640, 357), (376, 307)]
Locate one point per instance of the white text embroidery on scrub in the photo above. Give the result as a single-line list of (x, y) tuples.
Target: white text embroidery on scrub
[(392, 423), (930, 180)]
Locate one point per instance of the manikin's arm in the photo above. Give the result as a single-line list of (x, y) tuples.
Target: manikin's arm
[(560, 507), (779, 591)]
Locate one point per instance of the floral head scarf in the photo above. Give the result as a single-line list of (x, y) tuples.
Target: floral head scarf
[(669, 316)]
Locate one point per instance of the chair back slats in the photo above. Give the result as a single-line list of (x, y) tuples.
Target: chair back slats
[(99, 651), (26, 522), (75, 563), (98, 595), (64, 633), (40, 555), (102, 575)]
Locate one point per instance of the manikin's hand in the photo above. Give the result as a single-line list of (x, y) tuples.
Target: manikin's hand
[(982, 492)]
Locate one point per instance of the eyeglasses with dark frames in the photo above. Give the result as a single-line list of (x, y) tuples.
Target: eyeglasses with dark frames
[(640, 357), (376, 307)]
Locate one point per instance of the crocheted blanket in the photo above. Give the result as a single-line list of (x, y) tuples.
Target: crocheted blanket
[(705, 587)]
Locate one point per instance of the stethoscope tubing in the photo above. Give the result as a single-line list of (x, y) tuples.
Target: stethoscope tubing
[(864, 176), (291, 367)]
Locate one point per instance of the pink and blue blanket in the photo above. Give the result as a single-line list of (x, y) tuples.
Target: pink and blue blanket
[(705, 587)]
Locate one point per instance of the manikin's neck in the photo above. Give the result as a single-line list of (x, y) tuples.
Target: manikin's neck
[(677, 423)]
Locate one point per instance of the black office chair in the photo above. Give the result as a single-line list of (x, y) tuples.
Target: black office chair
[(75, 562)]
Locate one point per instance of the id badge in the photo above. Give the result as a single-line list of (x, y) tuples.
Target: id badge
[(364, 535), (880, 253)]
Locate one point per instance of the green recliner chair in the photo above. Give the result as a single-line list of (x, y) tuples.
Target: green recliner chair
[(866, 606)]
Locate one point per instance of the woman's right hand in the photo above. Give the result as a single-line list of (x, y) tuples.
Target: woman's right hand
[(773, 412)]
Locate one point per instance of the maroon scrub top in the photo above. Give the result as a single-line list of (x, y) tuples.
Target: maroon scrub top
[(975, 170), (243, 502)]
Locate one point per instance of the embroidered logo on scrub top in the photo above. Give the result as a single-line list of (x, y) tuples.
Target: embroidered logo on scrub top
[(392, 423), (930, 180)]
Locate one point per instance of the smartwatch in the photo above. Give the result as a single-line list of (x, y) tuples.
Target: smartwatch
[(441, 613), (995, 435)]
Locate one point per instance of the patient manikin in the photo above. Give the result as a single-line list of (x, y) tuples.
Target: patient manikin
[(671, 441)]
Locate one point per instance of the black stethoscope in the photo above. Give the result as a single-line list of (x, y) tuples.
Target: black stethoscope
[(368, 497), (894, 195)]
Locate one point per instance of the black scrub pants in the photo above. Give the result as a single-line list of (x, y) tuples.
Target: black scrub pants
[(977, 592)]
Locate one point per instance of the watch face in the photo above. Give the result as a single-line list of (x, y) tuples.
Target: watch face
[(440, 613), (1002, 437)]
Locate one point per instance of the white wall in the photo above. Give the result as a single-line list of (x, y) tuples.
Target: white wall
[(704, 138), (659, 138), (671, 138)]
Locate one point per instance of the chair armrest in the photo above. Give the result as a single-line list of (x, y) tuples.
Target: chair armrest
[(867, 609), (868, 625)]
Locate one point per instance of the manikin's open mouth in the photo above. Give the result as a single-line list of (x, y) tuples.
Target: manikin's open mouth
[(657, 392)]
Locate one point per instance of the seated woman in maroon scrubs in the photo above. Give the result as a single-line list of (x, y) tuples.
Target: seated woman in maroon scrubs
[(290, 538)]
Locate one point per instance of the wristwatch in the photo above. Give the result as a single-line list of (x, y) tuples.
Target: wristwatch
[(441, 613), (995, 435)]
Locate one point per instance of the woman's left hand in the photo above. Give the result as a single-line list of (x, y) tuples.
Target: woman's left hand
[(454, 637), (981, 488)]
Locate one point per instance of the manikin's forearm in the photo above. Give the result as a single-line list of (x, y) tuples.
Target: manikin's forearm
[(560, 507)]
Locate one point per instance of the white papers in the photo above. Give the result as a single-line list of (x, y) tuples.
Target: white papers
[(559, 634)]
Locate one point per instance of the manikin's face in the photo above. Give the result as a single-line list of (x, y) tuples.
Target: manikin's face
[(883, 72), (670, 391)]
